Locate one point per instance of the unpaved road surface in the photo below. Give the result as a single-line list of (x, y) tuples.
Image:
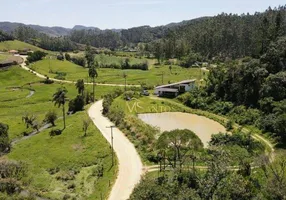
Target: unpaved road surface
[(23, 65), (203, 127), (130, 165)]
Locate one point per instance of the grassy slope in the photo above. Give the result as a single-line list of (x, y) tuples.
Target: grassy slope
[(101, 58), (151, 77), (4, 57), (68, 152), (17, 45)]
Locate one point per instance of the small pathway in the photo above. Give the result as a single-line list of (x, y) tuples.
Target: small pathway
[(23, 65), (17, 140)]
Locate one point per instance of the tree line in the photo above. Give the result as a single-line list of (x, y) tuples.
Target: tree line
[(31, 36), (225, 35)]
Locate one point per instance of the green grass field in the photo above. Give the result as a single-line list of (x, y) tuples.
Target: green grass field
[(59, 166), (17, 45), (151, 77), (4, 57), (104, 59)]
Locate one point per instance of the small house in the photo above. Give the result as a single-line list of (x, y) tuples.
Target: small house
[(13, 52), (174, 89)]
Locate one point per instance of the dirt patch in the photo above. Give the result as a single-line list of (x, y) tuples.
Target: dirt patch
[(200, 125)]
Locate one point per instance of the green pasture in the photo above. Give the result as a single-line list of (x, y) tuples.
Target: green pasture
[(157, 75), (61, 166)]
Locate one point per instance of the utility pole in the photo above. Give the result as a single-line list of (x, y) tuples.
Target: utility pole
[(112, 151), (125, 77)]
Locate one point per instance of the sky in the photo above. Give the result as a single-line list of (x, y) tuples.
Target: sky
[(107, 14)]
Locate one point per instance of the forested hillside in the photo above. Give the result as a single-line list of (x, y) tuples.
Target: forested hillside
[(29, 35), (225, 35), (5, 37)]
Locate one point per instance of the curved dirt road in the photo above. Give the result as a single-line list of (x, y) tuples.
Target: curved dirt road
[(23, 65), (130, 165)]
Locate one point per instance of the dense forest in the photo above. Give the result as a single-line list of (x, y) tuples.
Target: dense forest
[(42, 40), (250, 91), (225, 35), (5, 37), (222, 36)]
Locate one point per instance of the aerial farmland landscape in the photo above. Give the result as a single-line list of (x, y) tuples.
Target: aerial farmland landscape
[(143, 100)]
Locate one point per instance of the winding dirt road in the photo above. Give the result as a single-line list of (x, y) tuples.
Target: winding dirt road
[(23, 65), (130, 165)]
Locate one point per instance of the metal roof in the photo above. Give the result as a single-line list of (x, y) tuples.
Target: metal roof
[(178, 83), (168, 89)]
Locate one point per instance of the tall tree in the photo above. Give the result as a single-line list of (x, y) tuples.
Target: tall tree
[(80, 86), (93, 74), (177, 144), (59, 99), (91, 67)]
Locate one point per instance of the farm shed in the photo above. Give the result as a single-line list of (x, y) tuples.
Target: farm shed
[(174, 89)]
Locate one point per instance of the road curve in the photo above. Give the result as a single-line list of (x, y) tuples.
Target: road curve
[(130, 165), (23, 65)]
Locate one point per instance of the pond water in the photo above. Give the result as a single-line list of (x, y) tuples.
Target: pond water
[(200, 125)]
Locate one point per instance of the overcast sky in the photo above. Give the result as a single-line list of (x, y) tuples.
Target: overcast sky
[(122, 13)]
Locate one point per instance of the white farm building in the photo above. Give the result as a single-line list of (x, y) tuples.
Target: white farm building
[(174, 89)]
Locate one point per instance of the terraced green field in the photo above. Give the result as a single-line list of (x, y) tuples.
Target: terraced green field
[(17, 45), (151, 77), (61, 166)]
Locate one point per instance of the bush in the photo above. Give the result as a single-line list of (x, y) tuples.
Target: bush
[(55, 132), (51, 117), (244, 116), (241, 139), (229, 125), (78, 61), (60, 75), (47, 81), (60, 57), (36, 56), (77, 104), (4, 139), (68, 57)]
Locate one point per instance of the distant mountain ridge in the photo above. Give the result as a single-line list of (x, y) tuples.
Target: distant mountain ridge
[(57, 31), (54, 31)]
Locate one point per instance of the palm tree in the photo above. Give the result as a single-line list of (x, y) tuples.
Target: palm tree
[(59, 98), (80, 86), (93, 74)]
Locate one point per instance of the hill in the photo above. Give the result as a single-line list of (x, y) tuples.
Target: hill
[(9, 27), (17, 45)]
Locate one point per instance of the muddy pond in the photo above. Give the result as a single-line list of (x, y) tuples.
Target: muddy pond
[(200, 125)]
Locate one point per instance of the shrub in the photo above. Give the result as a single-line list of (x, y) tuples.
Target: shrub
[(244, 116), (229, 125), (4, 139), (60, 57), (51, 117), (78, 61), (68, 57), (60, 75), (55, 132), (77, 104), (241, 139), (36, 56)]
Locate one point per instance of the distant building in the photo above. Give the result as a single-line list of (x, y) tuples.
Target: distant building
[(174, 89), (13, 52)]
